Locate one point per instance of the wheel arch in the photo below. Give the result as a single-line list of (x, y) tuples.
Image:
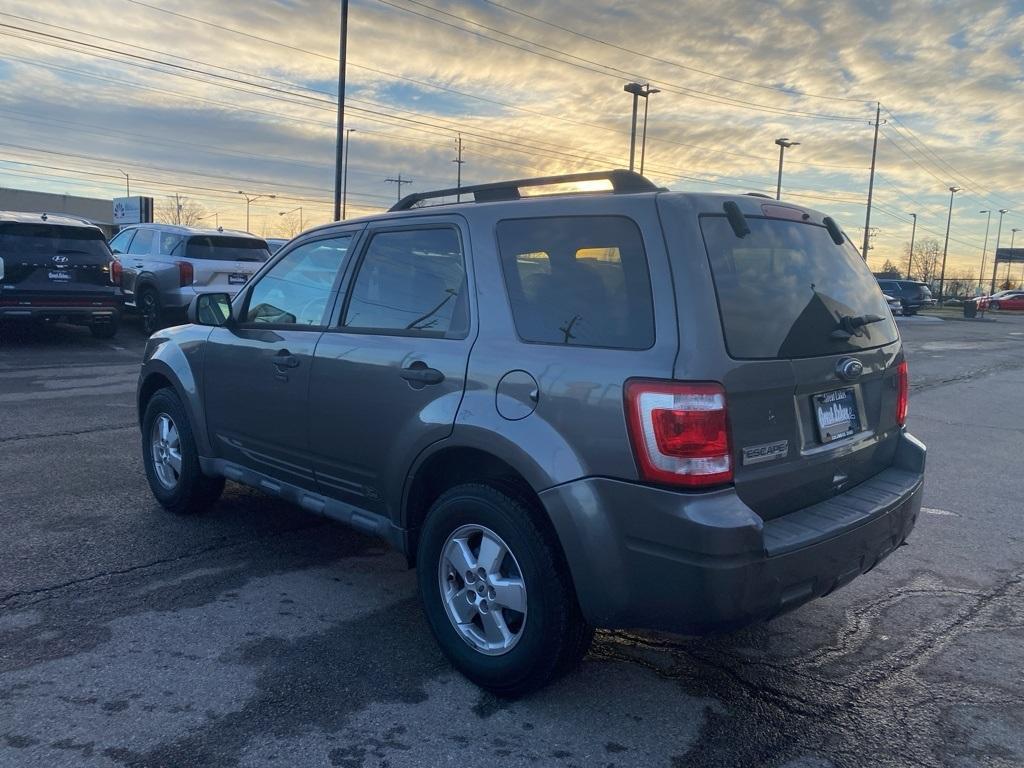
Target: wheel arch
[(168, 367)]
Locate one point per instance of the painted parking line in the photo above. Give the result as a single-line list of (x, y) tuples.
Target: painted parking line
[(933, 511)]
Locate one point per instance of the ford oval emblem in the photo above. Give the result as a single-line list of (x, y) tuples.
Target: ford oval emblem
[(849, 369)]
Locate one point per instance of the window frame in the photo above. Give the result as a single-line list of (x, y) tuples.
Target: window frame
[(268, 266), (647, 264), (138, 231), (338, 317)]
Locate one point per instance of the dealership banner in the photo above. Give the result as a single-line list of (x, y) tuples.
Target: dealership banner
[(133, 210)]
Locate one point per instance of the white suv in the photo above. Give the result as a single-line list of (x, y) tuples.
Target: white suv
[(165, 266)]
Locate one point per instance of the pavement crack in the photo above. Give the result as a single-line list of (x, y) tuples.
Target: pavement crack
[(69, 432)]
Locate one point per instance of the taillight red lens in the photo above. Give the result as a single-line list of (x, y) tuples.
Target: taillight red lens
[(116, 270), (185, 273), (902, 393), (680, 432)]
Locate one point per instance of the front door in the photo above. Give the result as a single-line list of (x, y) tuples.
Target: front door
[(257, 371), (388, 376)]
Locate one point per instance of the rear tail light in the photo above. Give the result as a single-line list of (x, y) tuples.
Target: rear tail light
[(185, 274), (116, 271), (680, 432), (902, 393)]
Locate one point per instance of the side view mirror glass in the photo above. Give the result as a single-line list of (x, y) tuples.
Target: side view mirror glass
[(210, 309)]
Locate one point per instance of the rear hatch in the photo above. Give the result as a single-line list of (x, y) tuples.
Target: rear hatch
[(812, 354), (917, 293), (224, 262), (54, 264)]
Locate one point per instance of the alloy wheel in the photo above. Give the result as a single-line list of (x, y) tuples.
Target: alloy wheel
[(165, 446)]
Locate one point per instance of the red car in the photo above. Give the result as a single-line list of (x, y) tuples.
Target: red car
[(1002, 300)]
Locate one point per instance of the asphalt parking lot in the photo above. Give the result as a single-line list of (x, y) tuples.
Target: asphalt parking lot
[(259, 636)]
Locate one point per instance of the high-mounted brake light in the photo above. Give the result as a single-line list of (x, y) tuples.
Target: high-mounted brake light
[(116, 271), (902, 393), (185, 274), (680, 432)]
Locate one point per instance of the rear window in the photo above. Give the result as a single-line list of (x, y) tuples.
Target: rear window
[(785, 287), (29, 242), (578, 280), (222, 248), (919, 291)]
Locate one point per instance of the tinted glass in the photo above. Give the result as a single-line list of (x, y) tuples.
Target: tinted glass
[(142, 242), (119, 242), (170, 243), (579, 280), (224, 248), (31, 242), (297, 290), (784, 288), (412, 281)]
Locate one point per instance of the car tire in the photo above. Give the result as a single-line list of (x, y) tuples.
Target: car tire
[(994, 305), (182, 489), (148, 303), (103, 330), (546, 638)]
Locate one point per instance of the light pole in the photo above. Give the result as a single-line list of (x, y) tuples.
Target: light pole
[(995, 258), (945, 248), (293, 210), (342, 48), (638, 90), (1013, 236), (215, 215), (913, 232), (643, 140), (249, 200), (127, 186), (344, 177), (984, 252), (783, 143)]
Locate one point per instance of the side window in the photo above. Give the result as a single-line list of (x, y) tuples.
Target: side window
[(297, 289), (141, 243), (412, 281), (170, 243), (119, 243), (578, 280)]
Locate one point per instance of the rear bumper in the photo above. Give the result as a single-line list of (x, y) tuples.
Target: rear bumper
[(647, 557), (41, 309)]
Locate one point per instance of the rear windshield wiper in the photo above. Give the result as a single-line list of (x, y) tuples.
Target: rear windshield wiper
[(850, 325)]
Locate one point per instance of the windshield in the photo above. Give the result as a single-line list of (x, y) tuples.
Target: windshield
[(33, 242), (786, 290), (223, 248)]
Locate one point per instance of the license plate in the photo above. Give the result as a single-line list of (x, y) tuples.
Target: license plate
[(237, 278), (836, 414), (59, 276)]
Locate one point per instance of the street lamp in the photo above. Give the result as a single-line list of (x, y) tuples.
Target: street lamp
[(643, 140), (215, 215), (127, 186), (783, 143), (249, 200), (913, 232), (995, 259), (293, 210), (984, 251), (945, 248), (638, 90)]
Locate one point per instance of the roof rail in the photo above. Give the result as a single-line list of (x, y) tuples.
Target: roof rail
[(759, 194), (623, 183)]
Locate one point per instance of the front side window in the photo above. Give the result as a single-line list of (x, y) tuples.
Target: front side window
[(119, 243), (297, 289), (141, 243), (411, 281), (578, 280)]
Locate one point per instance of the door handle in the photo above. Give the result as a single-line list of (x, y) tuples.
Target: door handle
[(285, 359), (420, 374)]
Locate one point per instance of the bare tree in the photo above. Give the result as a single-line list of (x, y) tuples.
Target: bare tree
[(960, 284), (180, 210), (288, 225), (927, 258)]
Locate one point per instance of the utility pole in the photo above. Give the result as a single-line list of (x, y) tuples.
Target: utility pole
[(984, 252), (127, 186), (637, 90), (945, 247), (177, 209), (913, 232), (458, 164), (995, 258), (783, 143), (338, 157), (643, 141), (344, 176), (871, 178), (399, 181)]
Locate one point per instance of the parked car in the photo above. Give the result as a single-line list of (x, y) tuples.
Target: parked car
[(275, 243), (639, 408), (895, 305), (913, 295), (165, 266), (1012, 300), (57, 268)]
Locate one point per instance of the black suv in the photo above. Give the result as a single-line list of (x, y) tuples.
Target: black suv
[(58, 268), (911, 294), (639, 408)]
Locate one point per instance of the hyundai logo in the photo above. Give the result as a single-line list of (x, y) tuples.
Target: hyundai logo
[(849, 369), (60, 260)]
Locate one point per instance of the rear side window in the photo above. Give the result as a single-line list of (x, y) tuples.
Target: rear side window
[(578, 280), (785, 287), (170, 243), (225, 248)]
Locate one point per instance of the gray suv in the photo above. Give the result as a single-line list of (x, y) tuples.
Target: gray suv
[(633, 408), (164, 266)]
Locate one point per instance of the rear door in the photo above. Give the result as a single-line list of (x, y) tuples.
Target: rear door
[(52, 261), (810, 357), (223, 262), (137, 260)]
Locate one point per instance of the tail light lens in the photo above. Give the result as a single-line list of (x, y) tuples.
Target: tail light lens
[(185, 274), (116, 271), (680, 432), (902, 393)]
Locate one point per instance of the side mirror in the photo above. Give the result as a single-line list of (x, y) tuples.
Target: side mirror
[(210, 309), (115, 251)]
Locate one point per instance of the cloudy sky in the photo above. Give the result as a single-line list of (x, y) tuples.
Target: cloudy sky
[(206, 99)]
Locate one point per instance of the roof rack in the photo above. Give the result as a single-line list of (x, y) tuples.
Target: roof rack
[(623, 183)]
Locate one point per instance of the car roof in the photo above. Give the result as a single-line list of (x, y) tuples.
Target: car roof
[(179, 229), (53, 219)]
